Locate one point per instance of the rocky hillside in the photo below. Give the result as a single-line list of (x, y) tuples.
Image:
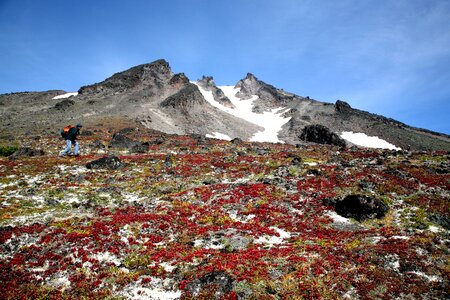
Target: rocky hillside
[(146, 215), (152, 95)]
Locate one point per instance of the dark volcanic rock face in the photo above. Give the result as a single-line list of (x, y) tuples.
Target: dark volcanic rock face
[(321, 135), (360, 207), (156, 73), (185, 99)]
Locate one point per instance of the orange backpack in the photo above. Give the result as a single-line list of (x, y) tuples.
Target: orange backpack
[(65, 131)]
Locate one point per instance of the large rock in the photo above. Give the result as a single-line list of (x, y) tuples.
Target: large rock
[(342, 106), (322, 135), (359, 207), (107, 162)]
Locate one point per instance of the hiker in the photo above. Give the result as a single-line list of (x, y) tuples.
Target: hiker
[(70, 133)]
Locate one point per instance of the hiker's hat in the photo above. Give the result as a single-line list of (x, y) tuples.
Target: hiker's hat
[(79, 125)]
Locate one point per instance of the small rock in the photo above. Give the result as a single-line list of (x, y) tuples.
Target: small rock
[(220, 280), (107, 162), (261, 151), (237, 243), (97, 144), (296, 160), (200, 139), (282, 171), (139, 148), (440, 219), (158, 141), (126, 130), (87, 133), (236, 141), (168, 161)]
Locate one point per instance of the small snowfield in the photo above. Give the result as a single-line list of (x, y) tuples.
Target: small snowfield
[(271, 121), (66, 95), (363, 140)]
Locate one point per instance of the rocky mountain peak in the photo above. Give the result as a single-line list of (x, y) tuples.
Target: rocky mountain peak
[(156, 73), (269, 97), (250, 84), (250, 76), (207, 83)]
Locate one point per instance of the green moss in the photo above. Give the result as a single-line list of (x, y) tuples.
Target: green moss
[(296, 171), (7, 150), (434, 158), (136, 261), (56, 194)]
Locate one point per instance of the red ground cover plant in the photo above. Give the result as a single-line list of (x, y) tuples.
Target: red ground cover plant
[(259, 219)]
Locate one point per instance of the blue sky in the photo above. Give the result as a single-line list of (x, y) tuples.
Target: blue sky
[(386, 57)]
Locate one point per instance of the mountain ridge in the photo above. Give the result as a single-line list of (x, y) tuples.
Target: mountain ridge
[(161, 100)]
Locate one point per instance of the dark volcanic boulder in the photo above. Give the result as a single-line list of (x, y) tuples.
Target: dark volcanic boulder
[(65, 104), (96, 145), (321, 135), (220, 281), (441, 219), (236, 141), (126, 130), (199, 139), (121, 141), (107, 162), (158, 141), (26, 152), (359, 207), (139, 148)]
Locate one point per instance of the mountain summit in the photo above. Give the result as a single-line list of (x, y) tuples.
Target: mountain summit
[(151, 94)]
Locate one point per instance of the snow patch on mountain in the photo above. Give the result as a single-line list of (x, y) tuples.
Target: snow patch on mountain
[(363, 140), (66, 95), (219, 136), (271, 121)]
